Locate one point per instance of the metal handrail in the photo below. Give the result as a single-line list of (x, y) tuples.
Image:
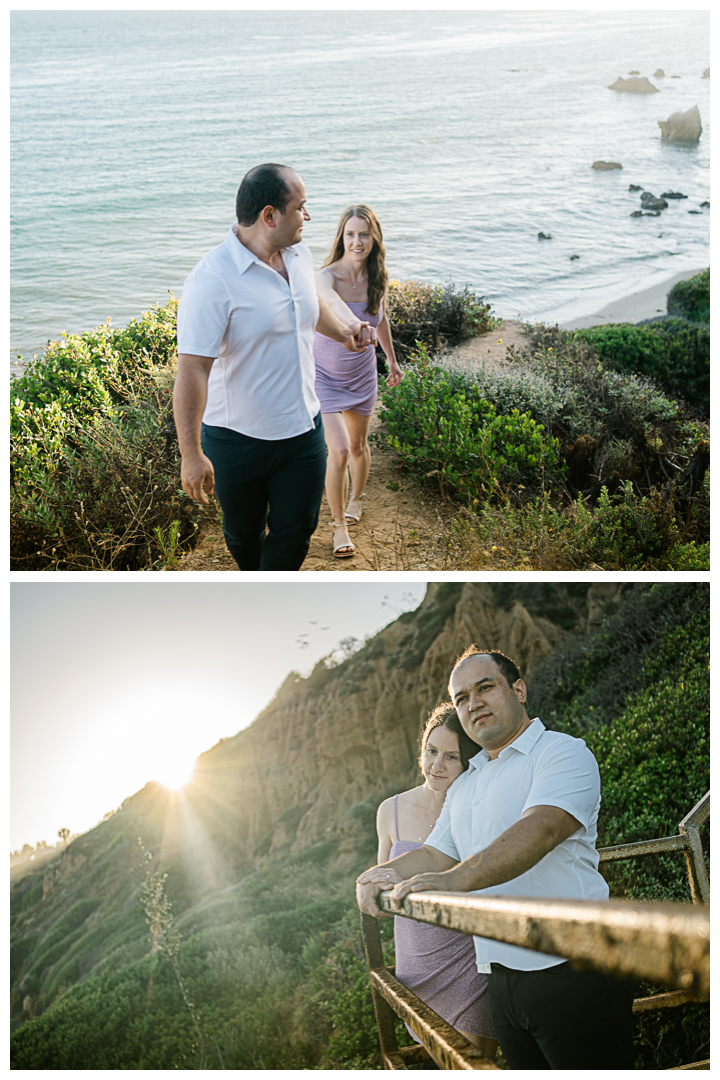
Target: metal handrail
[(667, 943), (687, 841)]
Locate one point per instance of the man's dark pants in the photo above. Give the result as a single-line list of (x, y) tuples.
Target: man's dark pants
[(273, 483), (560, 1018)]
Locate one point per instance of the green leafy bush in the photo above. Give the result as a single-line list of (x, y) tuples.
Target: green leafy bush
[(444, 429), (94, 457), (691, 299), (655, 762), (584, 683), (673, 352), (434, 314)]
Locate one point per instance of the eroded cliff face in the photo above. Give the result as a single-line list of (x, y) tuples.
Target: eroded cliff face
[(315, 764)]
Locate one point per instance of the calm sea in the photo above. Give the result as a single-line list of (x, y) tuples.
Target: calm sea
[(468, 132)]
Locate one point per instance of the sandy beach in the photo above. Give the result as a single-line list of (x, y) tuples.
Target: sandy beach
[(636, 306)]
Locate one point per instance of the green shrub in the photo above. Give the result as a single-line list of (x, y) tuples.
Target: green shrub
[(655, 762), (584, 683), (434, 314), (691, 299), (444, 429), (94, 458), (689, 556), (673, 352)]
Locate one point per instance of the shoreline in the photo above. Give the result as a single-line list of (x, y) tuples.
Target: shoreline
[(642, 303)]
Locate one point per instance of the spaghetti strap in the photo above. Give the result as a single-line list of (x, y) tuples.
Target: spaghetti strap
[(397, 834)]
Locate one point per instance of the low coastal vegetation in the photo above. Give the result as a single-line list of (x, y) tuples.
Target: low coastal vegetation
[(269, 972), (590, 451)]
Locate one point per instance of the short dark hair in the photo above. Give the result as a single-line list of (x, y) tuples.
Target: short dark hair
[(265, 185), (444, 715), (506, 666)]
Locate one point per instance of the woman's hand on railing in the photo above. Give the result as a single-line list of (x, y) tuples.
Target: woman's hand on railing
[(380, 875), (369, 884)]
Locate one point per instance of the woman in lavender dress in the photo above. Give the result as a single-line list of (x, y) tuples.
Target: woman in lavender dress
[(438, 965), (353, 277)]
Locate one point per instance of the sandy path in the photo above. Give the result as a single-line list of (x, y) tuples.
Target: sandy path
[(404, 525)]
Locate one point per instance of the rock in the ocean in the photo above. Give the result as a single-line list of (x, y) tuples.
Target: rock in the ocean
[(574, 257), (706, 203), (635, 187), (606, 165), (659, 74), (544, 236), (635, 86), (694, 211), (706, 73), (649, 202), (637, 213), (682, 126), (673, 195)]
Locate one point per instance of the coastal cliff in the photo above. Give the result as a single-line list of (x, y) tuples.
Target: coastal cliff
[(315, 764), (253, 862)]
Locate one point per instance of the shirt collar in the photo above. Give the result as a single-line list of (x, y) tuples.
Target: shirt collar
[(242, 256), (524, 743)]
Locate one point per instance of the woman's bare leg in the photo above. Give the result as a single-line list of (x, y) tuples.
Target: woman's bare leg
[(337, 440), (357, 429)]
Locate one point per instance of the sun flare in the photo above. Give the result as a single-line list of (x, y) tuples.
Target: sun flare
[(174, 774)]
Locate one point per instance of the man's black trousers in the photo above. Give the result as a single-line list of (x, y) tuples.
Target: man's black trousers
[(560, 1018), (261, 483)]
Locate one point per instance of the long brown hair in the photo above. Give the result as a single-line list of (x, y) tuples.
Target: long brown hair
[(444, 715), (376, 272)]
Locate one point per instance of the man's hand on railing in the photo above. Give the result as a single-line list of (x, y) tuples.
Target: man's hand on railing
[(447, 881)]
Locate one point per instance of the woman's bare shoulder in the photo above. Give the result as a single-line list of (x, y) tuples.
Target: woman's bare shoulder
[(329, 271), (388, 805)]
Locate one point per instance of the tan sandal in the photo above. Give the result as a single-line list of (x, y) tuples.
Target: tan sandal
[(354, 509), (345, 549)]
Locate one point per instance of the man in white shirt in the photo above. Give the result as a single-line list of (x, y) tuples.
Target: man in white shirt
[(247, 417), (521, 821)]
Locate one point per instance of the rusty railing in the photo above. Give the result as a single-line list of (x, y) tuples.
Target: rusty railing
[(665, 943)]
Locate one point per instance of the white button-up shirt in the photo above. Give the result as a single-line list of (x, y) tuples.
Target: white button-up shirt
[(540, 768), (260, 329)]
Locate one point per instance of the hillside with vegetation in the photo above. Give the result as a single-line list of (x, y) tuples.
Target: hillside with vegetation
[(217, 929), (590, 449)]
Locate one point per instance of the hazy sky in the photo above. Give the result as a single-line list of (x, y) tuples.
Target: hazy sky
[(117, 684)]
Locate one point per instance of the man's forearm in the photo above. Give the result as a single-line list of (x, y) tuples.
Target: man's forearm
[(189, 399), (515, 851), (333, 327)]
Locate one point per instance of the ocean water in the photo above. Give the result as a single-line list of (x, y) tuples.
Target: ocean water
[(467, 132)]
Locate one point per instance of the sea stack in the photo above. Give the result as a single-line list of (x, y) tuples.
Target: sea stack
[(682, 126), (635, 86)]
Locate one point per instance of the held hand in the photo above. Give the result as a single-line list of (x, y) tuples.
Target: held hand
[(443, 882), (197, 477), (368, 335), (361, 338)]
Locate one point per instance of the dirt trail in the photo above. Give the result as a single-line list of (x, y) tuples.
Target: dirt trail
[(402, 527)]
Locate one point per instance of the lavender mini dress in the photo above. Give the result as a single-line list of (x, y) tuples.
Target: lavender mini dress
[(440, 967), (345, 380)]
